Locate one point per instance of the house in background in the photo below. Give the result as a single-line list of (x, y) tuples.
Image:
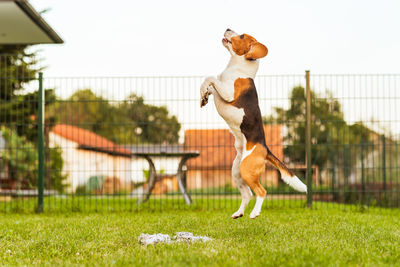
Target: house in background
[(102, 166), (92, 160), (217, 152)]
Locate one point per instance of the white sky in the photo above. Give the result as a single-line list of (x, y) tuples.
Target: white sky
[(130, 38)]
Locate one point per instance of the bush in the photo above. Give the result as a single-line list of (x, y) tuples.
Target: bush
[(21, 158)]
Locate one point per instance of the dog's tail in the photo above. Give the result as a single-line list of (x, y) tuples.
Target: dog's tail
[(286, 174)]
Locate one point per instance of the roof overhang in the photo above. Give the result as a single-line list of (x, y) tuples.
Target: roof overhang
[(20, 23)]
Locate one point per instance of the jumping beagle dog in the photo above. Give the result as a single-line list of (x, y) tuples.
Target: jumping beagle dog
[(236, 100)]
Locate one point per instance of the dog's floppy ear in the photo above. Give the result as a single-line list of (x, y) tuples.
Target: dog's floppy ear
[(257, 50)]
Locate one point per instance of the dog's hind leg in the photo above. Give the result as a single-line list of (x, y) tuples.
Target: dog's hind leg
[(243, 188), (251, 168)]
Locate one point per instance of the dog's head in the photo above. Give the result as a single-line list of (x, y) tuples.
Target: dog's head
[(243, 45)]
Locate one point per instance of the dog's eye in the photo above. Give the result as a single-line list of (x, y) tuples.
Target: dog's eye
[(242, 36)]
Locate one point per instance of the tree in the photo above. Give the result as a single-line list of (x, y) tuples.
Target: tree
[(21, 159), (18, 110), (152, 123), (330, 134), (86, 110), (17, 67), (128, 122)]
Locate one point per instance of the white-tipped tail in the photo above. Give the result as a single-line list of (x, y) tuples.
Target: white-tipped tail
[(295, 182)]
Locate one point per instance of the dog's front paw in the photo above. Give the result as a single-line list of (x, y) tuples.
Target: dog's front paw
[(205, 91), (203, 101)]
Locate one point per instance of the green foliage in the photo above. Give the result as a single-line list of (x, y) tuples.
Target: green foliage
[(86, 110), (17, 107), (21, 113), (330, 132), (83, 190), (17, 67), (152, 123), (21, 159), (129, 122), (55, 179)]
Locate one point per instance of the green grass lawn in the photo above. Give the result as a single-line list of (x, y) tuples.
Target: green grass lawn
[(280, 236)]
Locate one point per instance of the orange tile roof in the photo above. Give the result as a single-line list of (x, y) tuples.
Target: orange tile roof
[(216, 146), (89, 140)]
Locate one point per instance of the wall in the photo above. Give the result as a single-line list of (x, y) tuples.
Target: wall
[(81, 164)]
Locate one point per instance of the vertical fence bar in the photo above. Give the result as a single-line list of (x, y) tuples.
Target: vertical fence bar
[(362, 174), (40, 143), (384, 166), (333, 188), (346, 166), (308, 140)]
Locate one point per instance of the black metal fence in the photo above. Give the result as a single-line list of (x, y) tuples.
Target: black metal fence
[(106, 143)]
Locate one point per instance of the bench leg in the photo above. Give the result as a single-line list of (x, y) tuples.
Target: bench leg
[(182, 181), (152, 182)]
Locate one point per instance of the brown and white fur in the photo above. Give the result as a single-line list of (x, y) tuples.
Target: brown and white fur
[(236, 100)]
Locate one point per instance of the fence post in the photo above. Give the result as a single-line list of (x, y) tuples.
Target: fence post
[(384, 164), (362, 174), (308, 140), (40, 143)]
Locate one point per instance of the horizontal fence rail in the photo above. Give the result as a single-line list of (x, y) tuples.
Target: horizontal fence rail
[(109, 141)]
